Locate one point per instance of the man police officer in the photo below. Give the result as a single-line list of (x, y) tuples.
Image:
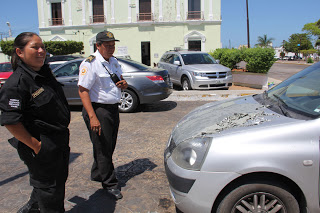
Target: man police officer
[(100, 84)]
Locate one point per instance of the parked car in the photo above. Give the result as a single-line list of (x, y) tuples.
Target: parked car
[(55, 64), (256, 153), (5, 72), (195, 70), (62, 58), (146, 85)]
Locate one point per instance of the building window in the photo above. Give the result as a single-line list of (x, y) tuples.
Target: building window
[(98, 14), (56, 14), (145, 10), (194, 45), (194, 11)]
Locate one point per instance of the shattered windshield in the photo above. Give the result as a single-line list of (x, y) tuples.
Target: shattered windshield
[(300, 93)]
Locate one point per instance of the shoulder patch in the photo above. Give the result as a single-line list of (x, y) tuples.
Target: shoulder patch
[(90, 58), (83, 70)]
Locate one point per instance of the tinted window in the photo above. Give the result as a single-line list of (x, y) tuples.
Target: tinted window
[(198, 59), (69, 69)]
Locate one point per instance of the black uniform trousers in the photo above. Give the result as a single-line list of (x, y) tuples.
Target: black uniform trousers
[(48, 171), (104, 145)]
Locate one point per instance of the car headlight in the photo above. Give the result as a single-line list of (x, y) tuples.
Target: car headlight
[(201, 74), (189, 154)]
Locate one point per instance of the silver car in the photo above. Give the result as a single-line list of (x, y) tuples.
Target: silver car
[(145, 84), (253, 154), (195, 70)]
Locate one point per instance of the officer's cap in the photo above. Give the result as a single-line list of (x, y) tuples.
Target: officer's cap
[(105, 36)]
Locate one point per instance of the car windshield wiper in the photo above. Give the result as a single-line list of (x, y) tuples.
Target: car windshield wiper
[(281, 102)]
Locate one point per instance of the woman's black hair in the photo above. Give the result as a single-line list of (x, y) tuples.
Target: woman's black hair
[(20, 42)]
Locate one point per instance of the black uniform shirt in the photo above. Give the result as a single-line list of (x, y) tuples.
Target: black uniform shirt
[(36, 100)]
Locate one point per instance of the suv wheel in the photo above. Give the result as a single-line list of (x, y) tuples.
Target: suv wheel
[(186, 84), (128, 102), (259, 198)]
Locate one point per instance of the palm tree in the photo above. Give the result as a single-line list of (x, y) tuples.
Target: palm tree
[(264, 41)]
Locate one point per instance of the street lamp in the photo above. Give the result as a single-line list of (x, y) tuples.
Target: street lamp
[(248, 25), (10, 34)]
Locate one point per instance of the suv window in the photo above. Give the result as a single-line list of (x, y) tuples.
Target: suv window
[(176, 58), (197, 59)]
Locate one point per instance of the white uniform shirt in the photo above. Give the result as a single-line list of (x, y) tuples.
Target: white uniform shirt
[(94, 77)]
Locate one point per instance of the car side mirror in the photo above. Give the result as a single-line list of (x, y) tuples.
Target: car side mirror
[(218, 61), (177, 63)]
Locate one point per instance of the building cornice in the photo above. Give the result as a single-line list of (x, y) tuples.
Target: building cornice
[(145, 23)]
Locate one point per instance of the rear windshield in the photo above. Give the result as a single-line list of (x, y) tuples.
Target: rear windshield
[(134, 64), (5, 67)]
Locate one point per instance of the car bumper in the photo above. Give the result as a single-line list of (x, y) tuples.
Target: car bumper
[(199, 189), (205, 83), (155, 94)]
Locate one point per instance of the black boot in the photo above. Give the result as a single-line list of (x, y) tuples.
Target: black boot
[(30, 207)]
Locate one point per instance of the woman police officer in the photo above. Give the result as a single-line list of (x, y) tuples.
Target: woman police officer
[(35, 111)]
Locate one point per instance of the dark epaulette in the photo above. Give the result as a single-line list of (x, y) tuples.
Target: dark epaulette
[(90, 58)]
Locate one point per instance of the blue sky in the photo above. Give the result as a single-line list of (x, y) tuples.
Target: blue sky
[(277, 19)]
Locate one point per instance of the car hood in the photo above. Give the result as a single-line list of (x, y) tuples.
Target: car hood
[(228, 116), (5, 75), (207, 68)]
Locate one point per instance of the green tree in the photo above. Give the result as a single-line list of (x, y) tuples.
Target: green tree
[(6, 47), (298, 42), (264, 41), (313, 29)]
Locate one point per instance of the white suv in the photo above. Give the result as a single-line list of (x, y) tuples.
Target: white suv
[(195, 70)]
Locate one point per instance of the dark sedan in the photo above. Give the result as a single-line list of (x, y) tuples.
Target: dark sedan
[(146, 85)]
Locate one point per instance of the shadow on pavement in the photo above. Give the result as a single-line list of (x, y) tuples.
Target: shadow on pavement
[(134, 168), (99, 202), (159, 106)]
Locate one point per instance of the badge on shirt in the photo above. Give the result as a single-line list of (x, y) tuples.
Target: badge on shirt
[(83, 70), (14, 103), (38, 92)]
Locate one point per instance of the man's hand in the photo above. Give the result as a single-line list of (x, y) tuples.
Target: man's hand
[(122, 84), (95, 125)]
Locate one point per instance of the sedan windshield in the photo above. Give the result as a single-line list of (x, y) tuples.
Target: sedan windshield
[(198, 58), (299, 93)]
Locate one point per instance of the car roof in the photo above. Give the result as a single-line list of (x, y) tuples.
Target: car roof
[(186, 52)]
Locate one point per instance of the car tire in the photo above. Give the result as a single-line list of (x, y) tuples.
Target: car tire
[(247, 197), (128, 102), (185, 84)]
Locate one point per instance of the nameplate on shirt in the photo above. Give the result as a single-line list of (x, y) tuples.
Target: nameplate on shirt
[(38, 92)]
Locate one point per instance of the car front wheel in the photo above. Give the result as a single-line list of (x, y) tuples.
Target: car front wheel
[(128, 102), (186, 84), (259, 198)]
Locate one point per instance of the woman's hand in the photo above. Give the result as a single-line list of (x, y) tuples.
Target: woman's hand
[(37, 148), (20, 133)]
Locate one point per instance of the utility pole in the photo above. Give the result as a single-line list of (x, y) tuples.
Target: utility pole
[(248, 26)]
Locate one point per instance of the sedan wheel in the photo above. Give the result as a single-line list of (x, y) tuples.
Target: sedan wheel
[(186, 84), (128, 102), (259, 198)]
